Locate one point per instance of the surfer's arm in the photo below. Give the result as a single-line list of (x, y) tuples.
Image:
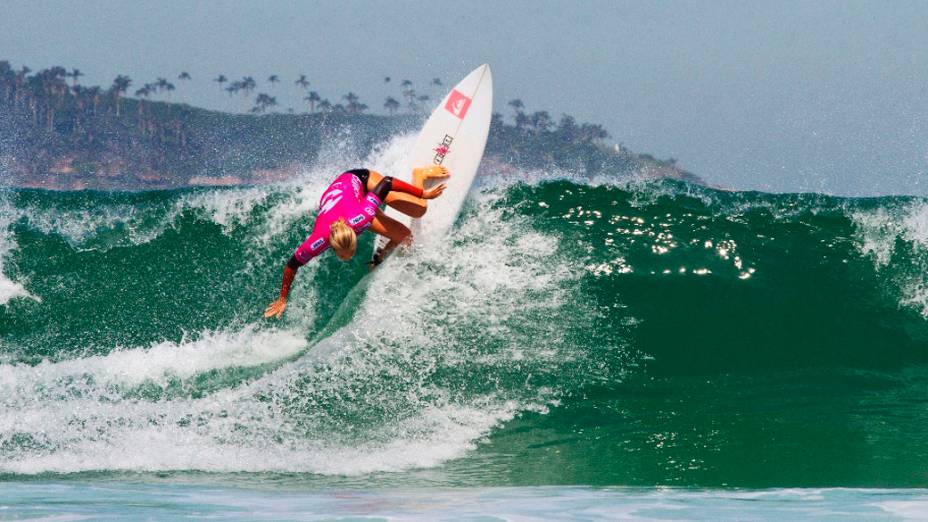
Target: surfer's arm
[(276, 309), (299, 258), (289, 274), (396, 232)]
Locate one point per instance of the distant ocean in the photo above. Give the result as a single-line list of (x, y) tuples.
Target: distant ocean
[(579, 348)]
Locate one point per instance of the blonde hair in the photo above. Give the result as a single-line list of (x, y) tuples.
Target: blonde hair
[(342, 237)]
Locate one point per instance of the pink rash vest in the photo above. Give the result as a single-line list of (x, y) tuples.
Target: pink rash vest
[(344, 198)]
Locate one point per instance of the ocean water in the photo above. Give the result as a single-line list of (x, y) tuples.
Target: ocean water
[(577, 348)]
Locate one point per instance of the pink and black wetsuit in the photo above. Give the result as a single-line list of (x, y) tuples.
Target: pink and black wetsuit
[(347, 197)]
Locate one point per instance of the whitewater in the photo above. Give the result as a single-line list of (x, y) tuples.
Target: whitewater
[(572, 331)]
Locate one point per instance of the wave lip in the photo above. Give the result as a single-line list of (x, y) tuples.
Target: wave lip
[(895, 237), (9, 289)]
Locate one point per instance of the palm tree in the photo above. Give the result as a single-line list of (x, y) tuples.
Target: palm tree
[(142, 94), (386, 79), (302, 82), (248, 84), (325, 106), (591, 132), (234, 87), (95, 94), (541, 121), (120, 84), (391, 104), (313, 97), (54, 85), (567, 128), (184, 75), (79, 100), (7, 77), (409, 93), (496, 120), (262, 102), (221, 79), (20, 82), (75, 75), (273, 79), (354, 105), (517, 105), (436, 82)]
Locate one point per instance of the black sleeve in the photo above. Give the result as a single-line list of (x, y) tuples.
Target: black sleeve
[(362, 174), (293, 264), (383, 188)]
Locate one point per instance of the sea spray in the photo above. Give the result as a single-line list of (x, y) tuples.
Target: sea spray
[(568, 331)]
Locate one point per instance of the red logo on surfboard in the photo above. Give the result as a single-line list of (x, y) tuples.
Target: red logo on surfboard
[(458, 104)]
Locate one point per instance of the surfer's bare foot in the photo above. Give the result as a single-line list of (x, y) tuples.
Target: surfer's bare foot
[(432, 172)]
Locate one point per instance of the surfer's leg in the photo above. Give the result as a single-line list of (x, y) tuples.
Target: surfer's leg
[(396, 232), (373, 178), (407, 203)]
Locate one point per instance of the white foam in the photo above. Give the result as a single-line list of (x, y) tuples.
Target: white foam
[(905, 509), (158, 363), (318, 413), (878, 234), (379, 394), (9, 289)]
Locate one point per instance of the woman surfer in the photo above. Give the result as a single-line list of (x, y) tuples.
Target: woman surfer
[(349, 206)]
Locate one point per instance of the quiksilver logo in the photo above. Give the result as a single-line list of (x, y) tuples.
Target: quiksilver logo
[(457, 104)]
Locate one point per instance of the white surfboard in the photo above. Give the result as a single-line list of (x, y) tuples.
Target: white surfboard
[(454, 136)]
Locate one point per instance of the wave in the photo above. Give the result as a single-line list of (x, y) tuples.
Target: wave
[(555, 292)]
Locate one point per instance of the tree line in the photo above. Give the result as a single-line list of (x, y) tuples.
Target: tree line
[(46, 94)]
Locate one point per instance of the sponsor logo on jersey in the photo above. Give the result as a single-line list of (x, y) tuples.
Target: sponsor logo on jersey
[(373, 199), (357, 219), (370, 211), (457, 104), (329, 200), (317, 244), (356, 184), (442, 149)]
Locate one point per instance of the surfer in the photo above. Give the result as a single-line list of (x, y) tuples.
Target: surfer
[(351, 205)]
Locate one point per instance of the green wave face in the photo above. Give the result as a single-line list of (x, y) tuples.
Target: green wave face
[(570, 331)]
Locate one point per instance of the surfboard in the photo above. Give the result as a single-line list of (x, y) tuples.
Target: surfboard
[(455, 136)]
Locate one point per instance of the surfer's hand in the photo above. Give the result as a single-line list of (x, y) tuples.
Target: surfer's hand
[(433, 192), (276, 308), (378, 258)]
